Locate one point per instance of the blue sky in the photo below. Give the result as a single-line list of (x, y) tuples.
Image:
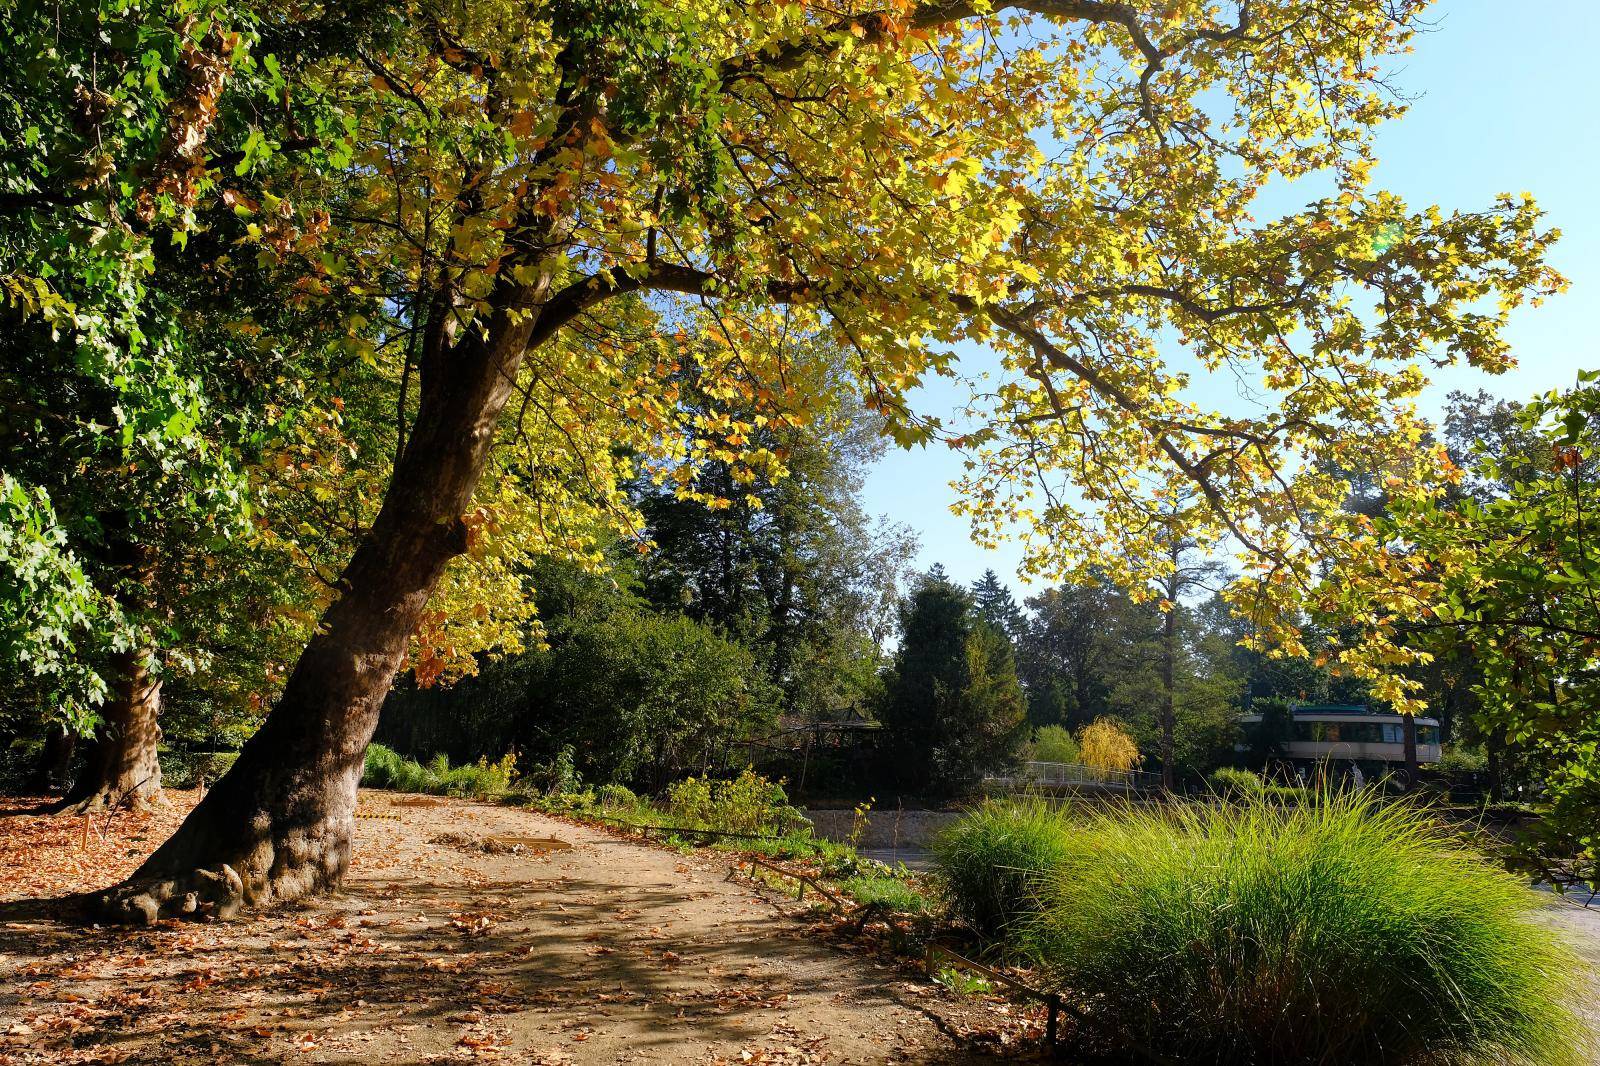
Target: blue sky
[(1507, 100)]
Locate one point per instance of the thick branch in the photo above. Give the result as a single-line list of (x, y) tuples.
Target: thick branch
[(576, 298)]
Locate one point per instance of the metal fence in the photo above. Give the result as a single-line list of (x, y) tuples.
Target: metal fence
[(1073, 775)]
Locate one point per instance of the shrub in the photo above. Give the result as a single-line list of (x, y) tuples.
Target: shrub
[(481, 779), (1458, 760), (386, 768), (1331, 931), (615, 797), (689, 801), (1052, 743), (749, 803), (1105, 745), (643, 698), (382, 766), (1231, 782), (186, 769), (411, 777), (995, 862)]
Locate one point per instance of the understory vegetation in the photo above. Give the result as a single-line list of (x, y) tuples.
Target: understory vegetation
[(1337, 930), (480, 780), (991, 863)]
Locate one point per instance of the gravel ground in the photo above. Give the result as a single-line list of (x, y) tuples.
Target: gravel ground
[(438, 951)]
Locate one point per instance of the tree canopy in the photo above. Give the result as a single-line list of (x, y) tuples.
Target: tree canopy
[(952, 707), (907, 179), (566, 246)]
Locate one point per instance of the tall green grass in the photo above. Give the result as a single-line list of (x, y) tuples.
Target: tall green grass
[(994, 861), (1340, 930), (386, 768)]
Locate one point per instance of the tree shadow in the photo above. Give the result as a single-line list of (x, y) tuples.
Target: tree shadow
[(380, 960)]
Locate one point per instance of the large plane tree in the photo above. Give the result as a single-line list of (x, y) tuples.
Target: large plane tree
[(544, 193)]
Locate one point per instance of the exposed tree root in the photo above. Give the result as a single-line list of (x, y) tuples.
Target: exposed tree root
[(201, 893), (108, 798)]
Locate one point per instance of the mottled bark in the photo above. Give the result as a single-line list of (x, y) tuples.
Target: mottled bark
[(277, 826)]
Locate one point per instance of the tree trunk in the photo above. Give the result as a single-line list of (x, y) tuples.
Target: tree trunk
[(277, 826), (1169, 714), (55, 762), (1169, 659), (1409, 731), (121, 768)]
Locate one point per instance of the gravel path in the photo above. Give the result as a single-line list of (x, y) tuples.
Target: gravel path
[(437, 951)]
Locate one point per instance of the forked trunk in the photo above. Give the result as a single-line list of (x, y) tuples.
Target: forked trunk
[(121, 768), (278, 824)]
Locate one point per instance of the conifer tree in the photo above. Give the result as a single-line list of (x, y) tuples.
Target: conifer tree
[(996, 605), (953, 707)]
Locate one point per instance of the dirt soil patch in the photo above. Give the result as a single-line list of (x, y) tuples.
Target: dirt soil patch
[(608, 951)]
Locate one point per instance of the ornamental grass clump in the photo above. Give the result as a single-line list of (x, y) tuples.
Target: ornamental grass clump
[(1340, 930), (386, 768), (995, 862)]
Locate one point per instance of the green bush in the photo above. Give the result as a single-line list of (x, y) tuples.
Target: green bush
[(1455, 759), (1230, 782), (1336, 930), (382, 766), (482, 779), (995, 862), (749, 803), (615, 797), (1052, 743), (186, 769), (559, 776)]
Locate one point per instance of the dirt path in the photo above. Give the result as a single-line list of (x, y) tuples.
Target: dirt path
[(609, 952)]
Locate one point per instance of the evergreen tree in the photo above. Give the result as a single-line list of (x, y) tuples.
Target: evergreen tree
[(996, 606), (952, 707)]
